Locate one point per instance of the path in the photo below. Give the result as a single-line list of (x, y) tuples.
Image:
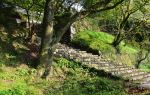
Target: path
[(126, 72)]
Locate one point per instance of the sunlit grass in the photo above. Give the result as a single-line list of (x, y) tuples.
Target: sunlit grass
[(102, 41)]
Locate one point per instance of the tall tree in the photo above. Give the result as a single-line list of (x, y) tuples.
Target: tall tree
[(125, 19), (127, 11), (59, 15), (46, 53), (142, 39)]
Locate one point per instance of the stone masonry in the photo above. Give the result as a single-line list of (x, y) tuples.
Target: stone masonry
[(98, 62)]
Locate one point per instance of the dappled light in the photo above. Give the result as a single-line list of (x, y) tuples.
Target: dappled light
[(74, 47)]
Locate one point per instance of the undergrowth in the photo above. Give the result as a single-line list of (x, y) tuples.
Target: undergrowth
[(80, 81), (66, 78)]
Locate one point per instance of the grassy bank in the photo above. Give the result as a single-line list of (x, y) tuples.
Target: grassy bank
[(66, 78), (102, 41)]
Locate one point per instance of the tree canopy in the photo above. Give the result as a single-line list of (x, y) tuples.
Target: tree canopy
[(58, 17)]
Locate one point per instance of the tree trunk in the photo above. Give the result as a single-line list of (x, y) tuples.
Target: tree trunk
[(46, 49), (117, 42), (29, 25), (137, 65), (66, 38), (141, 57), (52, 34)]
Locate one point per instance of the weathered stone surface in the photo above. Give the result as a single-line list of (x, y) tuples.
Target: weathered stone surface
[(107, 65), (146, 85)]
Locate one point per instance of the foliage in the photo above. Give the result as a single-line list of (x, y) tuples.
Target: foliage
[(59, 15), (18, 89), (75, 80), (101, 41), (89, 86), (61, 62), (83, 82), (87, 23), (125, 21)]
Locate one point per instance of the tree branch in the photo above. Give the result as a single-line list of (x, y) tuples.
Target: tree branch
[(107, 8), (84, 13), (146, 55)]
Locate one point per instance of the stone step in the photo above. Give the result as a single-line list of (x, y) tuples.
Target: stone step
[(77, 56), (95, 61), (106, 68), (72, 51), (88, 55), (118, 69), (120, 72), (86, 60), (134, 73), (111, 67), (95, 56), (99, 62), (139, 77), (145, 85), (81, 52), (103, 63), (143, 80), (100, 59), (128, 72)]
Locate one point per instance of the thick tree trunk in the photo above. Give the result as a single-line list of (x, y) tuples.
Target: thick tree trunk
[(117, 42), (52, 34), (46, 50)]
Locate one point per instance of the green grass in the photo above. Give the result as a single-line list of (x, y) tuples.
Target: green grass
[(67, 78), (95, 40), (145, 66), (100, 36), (102, 41), (80, 81)]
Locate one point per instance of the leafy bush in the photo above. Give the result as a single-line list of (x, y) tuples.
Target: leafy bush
[(61, 62)]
